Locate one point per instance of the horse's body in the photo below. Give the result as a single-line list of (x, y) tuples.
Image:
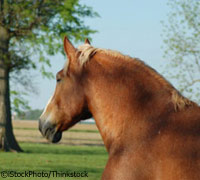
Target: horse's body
[(150, 131)]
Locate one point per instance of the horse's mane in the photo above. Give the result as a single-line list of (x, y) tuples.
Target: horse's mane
[(180, 102)]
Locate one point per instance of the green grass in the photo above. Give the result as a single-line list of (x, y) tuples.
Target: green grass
[(50, 157), (83, 130)]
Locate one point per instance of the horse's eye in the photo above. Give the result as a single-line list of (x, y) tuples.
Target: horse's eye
[(58, 80)]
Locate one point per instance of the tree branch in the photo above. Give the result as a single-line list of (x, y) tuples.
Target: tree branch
[(24, 31), (192, 83), (197, 61)]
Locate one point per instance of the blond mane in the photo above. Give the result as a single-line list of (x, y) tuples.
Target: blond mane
[(179, 101), (86, 52)]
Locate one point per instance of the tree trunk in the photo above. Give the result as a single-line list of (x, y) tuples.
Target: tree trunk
[(7, 138)]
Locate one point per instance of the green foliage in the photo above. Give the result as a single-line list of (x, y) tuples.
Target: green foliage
[(47, 157), (38, 26), (182, 42), (36, 29), (30, 114), (19, 104)]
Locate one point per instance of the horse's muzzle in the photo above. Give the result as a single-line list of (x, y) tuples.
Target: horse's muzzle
[(48, 130)]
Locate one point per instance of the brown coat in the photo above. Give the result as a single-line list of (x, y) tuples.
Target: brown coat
[(150, 130)]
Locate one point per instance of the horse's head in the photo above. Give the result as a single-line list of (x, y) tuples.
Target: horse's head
[(68, 105)]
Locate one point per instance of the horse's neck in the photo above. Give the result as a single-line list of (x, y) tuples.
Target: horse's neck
[(119, 103), (119, 120)]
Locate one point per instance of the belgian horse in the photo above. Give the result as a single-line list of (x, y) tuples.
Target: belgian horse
[(151, 131)]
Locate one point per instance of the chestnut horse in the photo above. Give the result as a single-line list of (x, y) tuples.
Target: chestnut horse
[(149, 129)]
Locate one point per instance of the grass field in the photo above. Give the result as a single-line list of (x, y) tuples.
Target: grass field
[(39, 155), (80, 134)]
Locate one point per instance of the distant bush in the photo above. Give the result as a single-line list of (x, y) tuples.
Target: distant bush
[(30, 115)]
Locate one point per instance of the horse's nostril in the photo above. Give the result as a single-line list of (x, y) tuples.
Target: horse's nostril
[(48, 130), (57, 137)]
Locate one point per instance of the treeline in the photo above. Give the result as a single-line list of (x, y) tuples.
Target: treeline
[(29, 115)]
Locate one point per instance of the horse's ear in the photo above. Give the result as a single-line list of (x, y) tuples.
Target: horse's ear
[(87, 41), (70, 50)]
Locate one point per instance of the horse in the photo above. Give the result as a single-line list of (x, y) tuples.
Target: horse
[(150, 130)]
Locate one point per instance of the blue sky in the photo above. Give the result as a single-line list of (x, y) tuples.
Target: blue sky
[(132, 27)]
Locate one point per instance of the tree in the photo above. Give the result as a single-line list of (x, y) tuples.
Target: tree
[(182, 45), (30, 114), (29, 31)]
